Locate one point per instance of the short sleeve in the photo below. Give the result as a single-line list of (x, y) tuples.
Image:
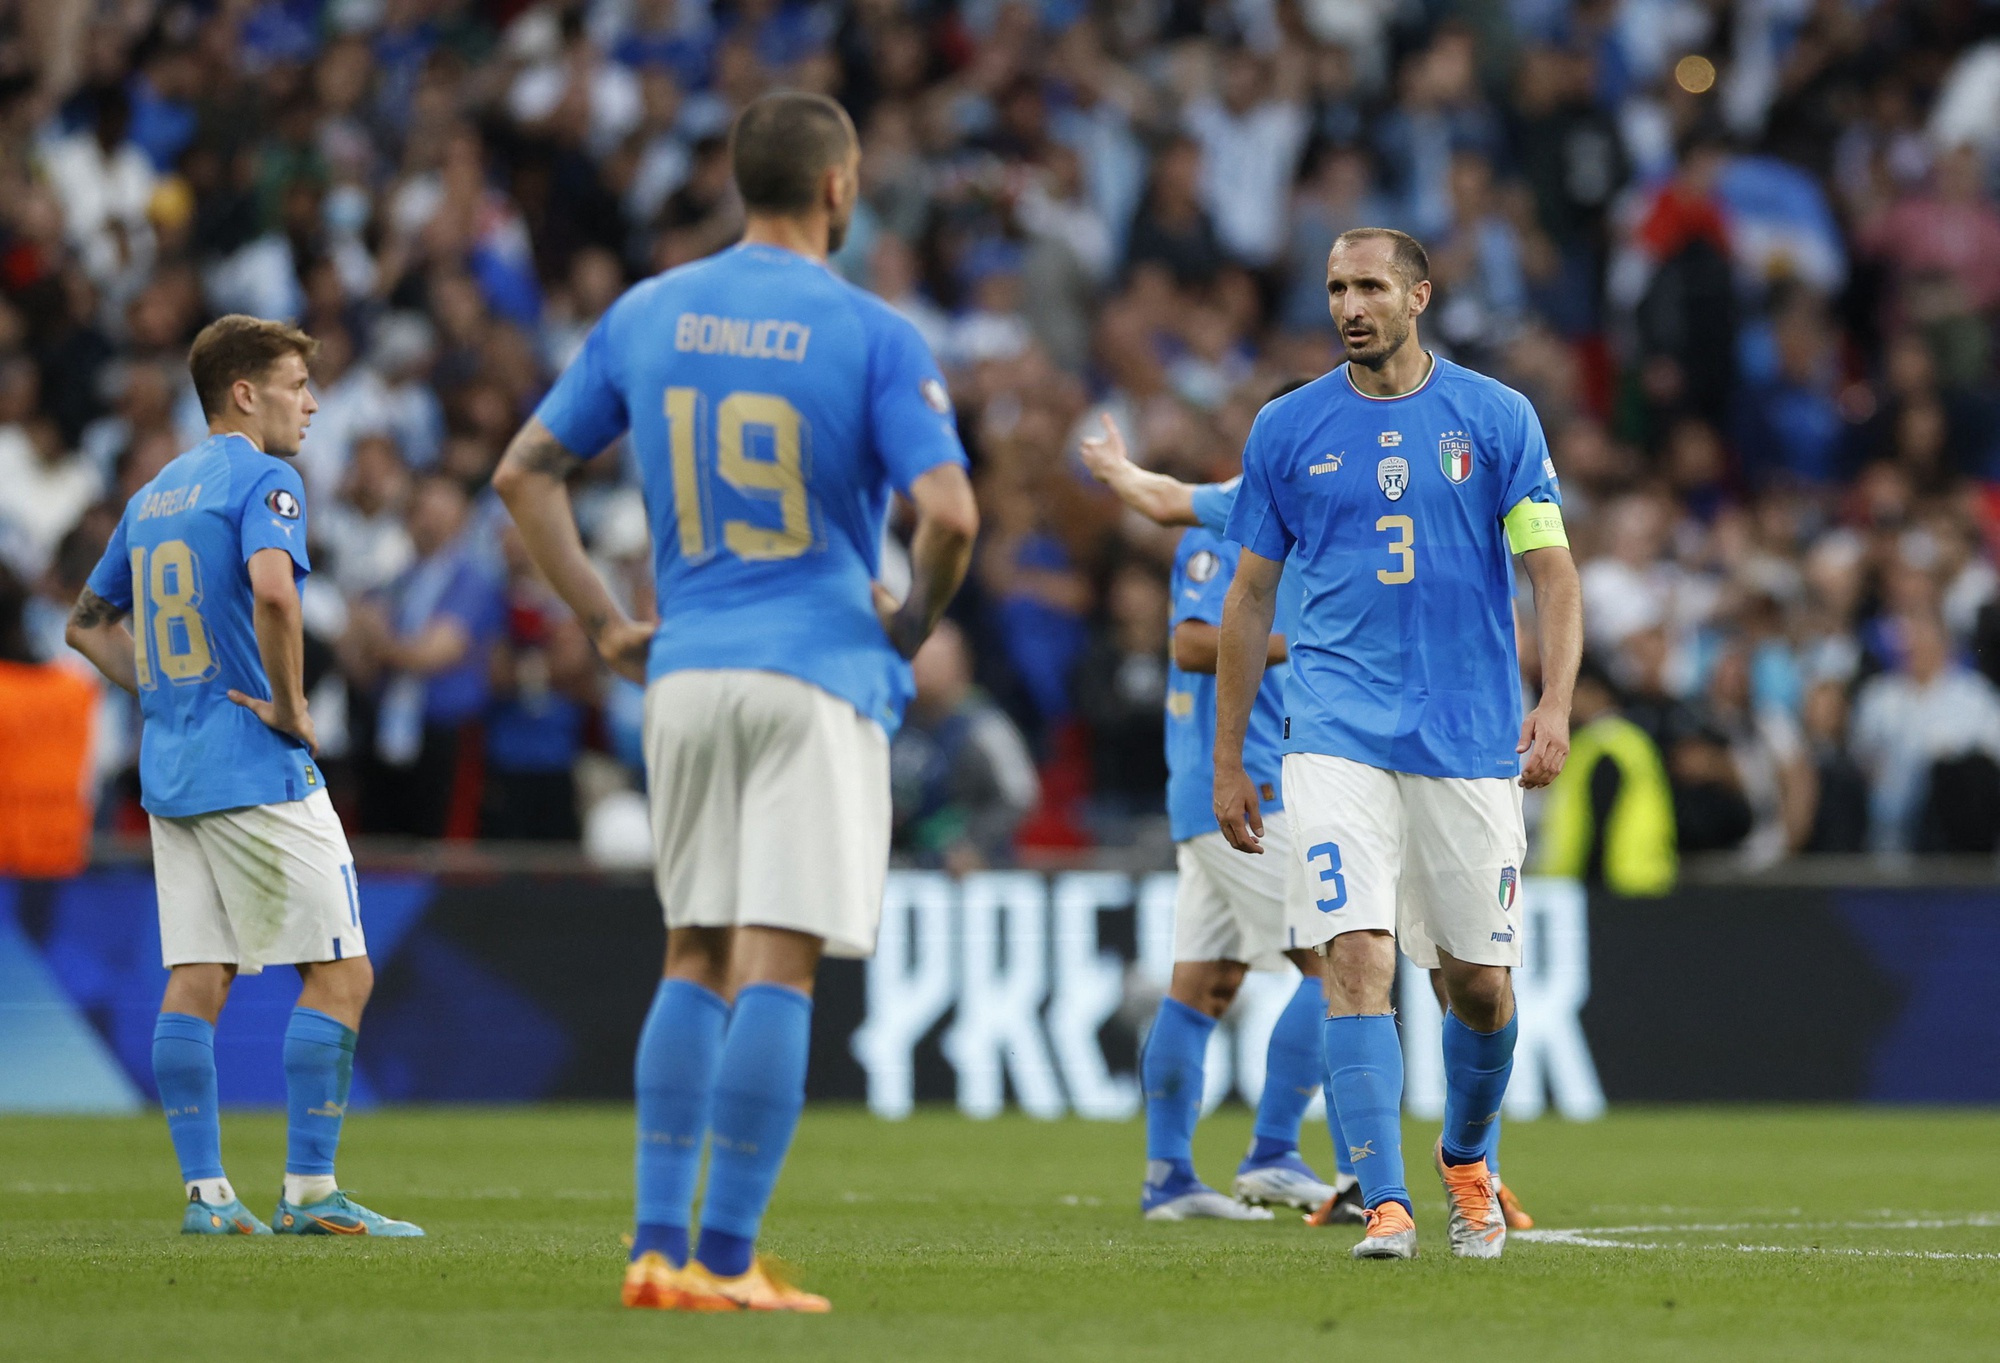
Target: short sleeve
[(111, 579), (1203, 569), (585, 410), (1256, 521), (1212, 504), (908, 405), (274, 514), (1531, 472)]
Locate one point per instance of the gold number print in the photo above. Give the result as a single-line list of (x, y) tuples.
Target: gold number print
[(1403, 547), (180, 641), (780, 474), (142, 653), (783, 473), (683, 405)]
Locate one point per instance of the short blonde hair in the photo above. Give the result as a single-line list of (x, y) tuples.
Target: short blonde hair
[(240, 347)]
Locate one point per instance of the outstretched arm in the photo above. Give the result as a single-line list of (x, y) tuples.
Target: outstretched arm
[(97, 630), (1559, 634), (1239, 671), (1160, 499), (941, 549), (532, 481)]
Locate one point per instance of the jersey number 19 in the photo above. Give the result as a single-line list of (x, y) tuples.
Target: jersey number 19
[(780, 478)]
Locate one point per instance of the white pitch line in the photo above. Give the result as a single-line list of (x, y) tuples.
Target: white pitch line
[(1595, 1239)]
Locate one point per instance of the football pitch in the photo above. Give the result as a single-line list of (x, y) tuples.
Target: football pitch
[(1663, 1234)]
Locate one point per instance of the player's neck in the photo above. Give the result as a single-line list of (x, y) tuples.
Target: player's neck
[(804, 236), (224, 428), (1401, 374)]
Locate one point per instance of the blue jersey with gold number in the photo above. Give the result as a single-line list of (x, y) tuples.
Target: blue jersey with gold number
[(1204, 566), (772, 407), (1392, 512), (178, 562)]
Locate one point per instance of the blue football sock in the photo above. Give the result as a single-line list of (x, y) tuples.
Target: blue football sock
[(184, 1068), (1343, 1161), (1476, 1067), (1493, 1148), (760, 1089), (674, 1078), (319, 1070), (1292, 1068), (1367, 1063), (1171, 1070)]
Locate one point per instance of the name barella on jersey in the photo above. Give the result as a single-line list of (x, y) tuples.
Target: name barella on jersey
[(1395, 513), (178, 563), (772, 407), (1204, 566)]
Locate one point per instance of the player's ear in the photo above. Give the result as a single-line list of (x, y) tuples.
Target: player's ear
[(1420, 297), (244, 393)]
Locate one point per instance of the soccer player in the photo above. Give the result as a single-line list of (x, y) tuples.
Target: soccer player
[(1169, 502), (772, 406), (1398, 484), (1229, 913), (251, 864)]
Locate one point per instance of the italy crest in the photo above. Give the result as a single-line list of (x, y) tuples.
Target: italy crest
[(1510, 880), (1455, 455)]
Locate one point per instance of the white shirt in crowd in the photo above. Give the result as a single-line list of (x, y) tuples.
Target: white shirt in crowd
[(1902, 726)]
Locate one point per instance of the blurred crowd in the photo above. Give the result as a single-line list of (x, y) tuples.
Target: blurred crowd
[(1744, 259)]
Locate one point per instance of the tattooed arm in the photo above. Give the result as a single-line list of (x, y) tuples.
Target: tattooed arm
[(531, 480), (97, 631)]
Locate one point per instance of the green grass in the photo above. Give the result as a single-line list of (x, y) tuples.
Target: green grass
[(944, 1238)]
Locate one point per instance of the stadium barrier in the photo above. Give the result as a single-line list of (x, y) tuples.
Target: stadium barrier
[(1033, 988)]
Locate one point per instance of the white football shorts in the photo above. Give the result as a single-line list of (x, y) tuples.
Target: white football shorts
[(1434, 859), (770, 806), (1230, 905), (266, 885)]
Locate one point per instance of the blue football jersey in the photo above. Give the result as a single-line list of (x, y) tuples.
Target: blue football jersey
[(1391, 511), (178, 562), (772, 406), (1204, 566)]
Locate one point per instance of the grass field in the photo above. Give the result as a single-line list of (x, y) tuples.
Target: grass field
[(1668, 1234)]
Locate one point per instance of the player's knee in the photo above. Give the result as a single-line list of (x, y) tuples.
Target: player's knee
[(1482, 997)]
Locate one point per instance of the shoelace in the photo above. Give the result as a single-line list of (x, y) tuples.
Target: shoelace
[(1481, 1211)]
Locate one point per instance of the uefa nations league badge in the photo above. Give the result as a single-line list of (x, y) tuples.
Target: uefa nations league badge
[(1393, 474)]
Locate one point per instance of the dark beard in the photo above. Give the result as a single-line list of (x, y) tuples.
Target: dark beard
[(1387, 345)]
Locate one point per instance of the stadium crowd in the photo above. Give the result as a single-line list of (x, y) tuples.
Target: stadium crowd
[(1745, 260)]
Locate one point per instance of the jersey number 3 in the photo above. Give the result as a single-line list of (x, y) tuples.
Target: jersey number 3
[(1404, 547), (170, 634), (780, 478)]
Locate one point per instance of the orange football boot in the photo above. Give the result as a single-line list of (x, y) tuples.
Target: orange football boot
[(762, 1288), (1510, 1207), (651, 1283), (1391, 1234)]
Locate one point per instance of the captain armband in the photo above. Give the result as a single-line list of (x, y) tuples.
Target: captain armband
[(1535, 525)]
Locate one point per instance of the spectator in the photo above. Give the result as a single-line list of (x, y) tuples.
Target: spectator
[(1251, 134), (1840, 815), (1609, 817), (1929, 710), (1172, 227), (544, 675), (1121, 688), (45, 741), (423, 648), (960, 771), (105, 184), (1773, 769)]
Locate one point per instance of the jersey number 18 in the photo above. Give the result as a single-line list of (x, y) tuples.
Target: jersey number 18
[(171, 632)]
